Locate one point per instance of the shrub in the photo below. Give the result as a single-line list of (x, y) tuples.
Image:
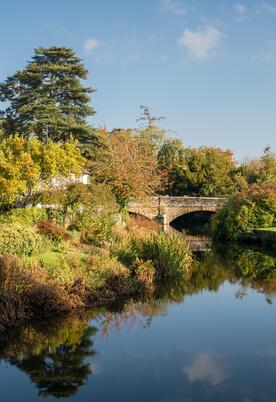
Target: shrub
[(24, 216), (53, 231), (19, 240), (245, 212), (12, 311), (96, 226), (170, 255), (57, 216), (144, 275), (63, 272), (14, 284), (107, 276)]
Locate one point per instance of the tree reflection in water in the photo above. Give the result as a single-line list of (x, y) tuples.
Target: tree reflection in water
[(57, 356)]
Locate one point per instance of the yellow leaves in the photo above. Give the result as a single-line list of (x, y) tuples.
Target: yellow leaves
[(24, 164)]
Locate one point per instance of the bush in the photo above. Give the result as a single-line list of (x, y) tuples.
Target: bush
[(24, 216), (63, 272), (53, 231), (19, 240), (245, 212), (169, 255), (57, 216), (108, 278), (144, 276), (95, 226)]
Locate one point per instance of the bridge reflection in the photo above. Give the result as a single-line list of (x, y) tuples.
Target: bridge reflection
[(196, 242)]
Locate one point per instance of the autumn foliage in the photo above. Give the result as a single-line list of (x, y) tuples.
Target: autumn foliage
[(127, 161), (29, 166)]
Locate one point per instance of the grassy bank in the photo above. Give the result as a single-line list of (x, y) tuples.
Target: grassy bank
[(47, 268), (271, 229)]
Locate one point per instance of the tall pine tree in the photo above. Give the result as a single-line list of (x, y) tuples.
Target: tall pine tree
[(47, 98)]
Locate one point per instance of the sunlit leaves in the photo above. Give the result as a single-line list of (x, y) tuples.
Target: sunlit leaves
[(27, 166)]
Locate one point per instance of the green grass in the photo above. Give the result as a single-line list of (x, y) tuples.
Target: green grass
[(53, 258), (49, 258)]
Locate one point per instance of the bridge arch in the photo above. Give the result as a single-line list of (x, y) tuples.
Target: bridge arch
[(193, 222), (173, 215)]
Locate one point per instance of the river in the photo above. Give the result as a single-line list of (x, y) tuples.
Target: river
[(213, 339)]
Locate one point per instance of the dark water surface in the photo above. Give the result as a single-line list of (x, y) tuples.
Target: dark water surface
[(213, 339)]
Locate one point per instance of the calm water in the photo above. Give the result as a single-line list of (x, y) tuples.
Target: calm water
[(213, 339)]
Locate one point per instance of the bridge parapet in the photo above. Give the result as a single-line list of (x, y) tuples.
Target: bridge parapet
[(190, 201)]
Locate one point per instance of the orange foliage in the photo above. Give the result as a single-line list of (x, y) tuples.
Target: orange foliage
[(127, 161)]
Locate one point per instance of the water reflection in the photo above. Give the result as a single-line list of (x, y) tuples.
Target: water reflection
[(205, 367), (61, 356), (53, 355), (197, 242)]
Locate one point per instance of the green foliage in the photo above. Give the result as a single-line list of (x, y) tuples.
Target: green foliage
[(170, 255), (48, 259), (60, 269), (261, 170), (245, 212), (56, 215), (92, 210), (206, 171), (24, 216), (172, 165), (96, 227), (255, 265), (268, 167), (79, 197), (47, 98), (19, 240), (107, 276), (210, 173)]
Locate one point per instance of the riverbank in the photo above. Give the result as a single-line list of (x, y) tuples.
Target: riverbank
[(93, 349), (68, 274)]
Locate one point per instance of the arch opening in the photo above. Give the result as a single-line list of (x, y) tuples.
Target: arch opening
[(194, 223)]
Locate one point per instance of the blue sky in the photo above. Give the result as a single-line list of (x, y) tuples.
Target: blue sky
[(209, 66)]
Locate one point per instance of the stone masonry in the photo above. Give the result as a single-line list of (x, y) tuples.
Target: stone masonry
[(166, 209)]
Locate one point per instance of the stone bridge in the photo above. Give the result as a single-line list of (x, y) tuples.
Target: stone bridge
[(166, 209)]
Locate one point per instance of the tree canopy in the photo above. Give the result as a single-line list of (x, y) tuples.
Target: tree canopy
[(48, 101), (204, 171), (126, 160), (261, 170), (28, 166), (47, 98)]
